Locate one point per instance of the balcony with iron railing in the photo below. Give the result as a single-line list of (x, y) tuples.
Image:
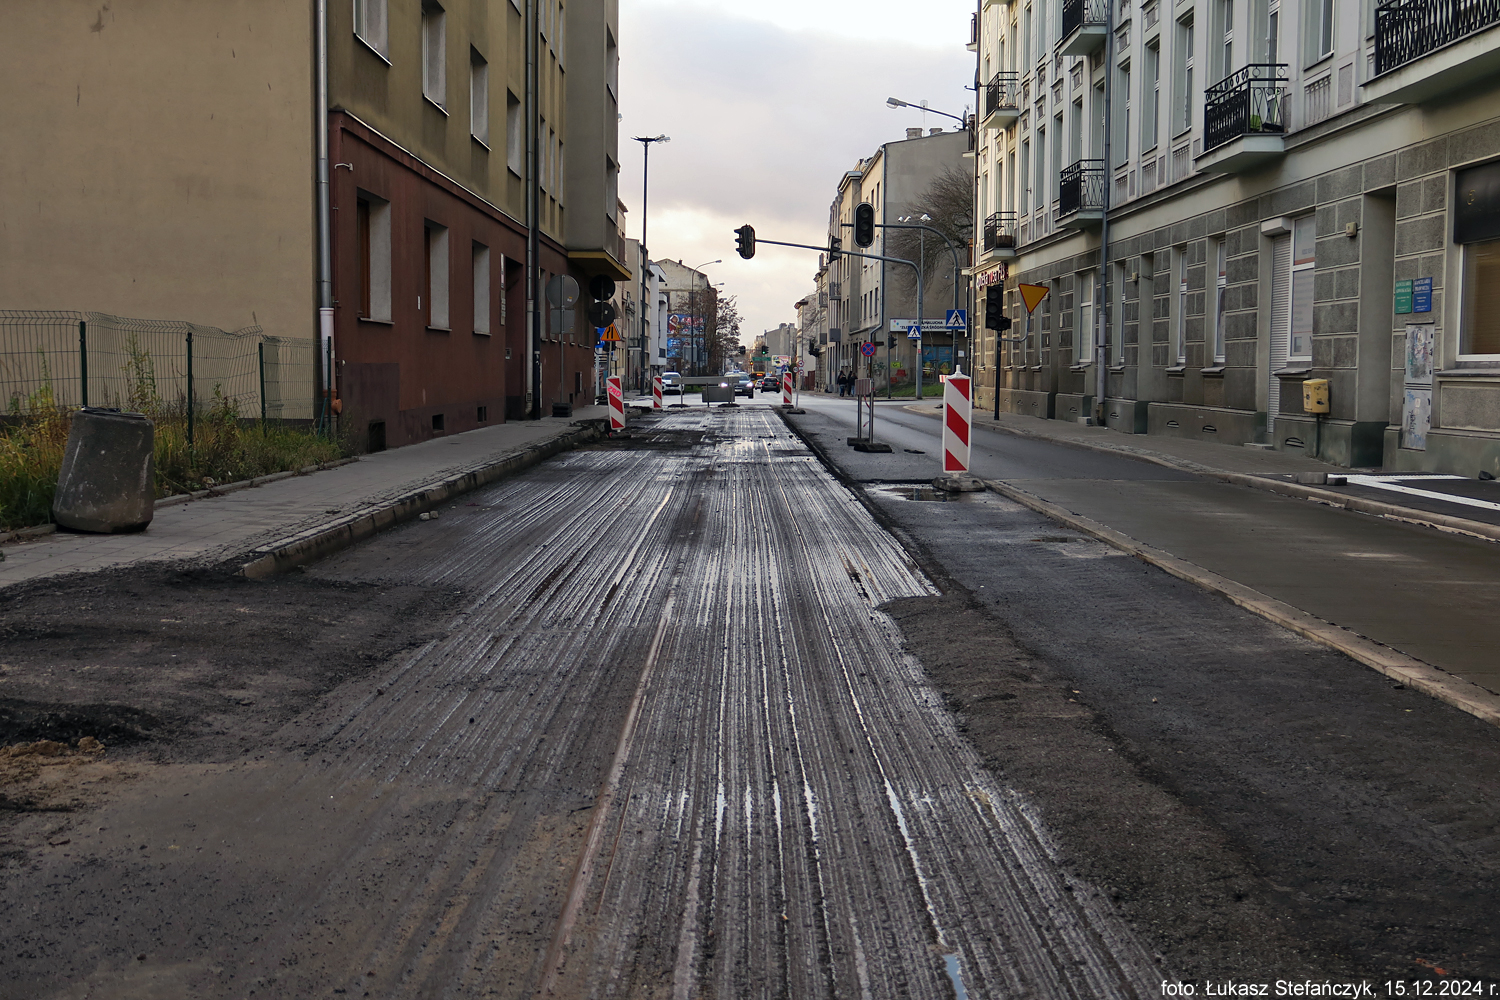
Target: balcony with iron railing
[(1084, 23), (1428, 48), (1244, 119), (1080, 194), (1002, 100), (999, 237)]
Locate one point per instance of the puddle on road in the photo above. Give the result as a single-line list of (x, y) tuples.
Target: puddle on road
[(920, 493), (950, 961)]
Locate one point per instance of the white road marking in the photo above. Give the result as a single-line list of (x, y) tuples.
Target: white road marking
[(1393, 483)]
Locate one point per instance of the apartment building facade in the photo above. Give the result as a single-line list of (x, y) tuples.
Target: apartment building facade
[(689, 304), (409, 265), (1226, 198), (874, 301)]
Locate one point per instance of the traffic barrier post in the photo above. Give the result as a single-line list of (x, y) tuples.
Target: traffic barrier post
[(616, 403), (957, 420)]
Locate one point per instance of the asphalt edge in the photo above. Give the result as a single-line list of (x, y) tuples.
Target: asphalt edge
[(326, 539), (1450, 689), (1361, 505)]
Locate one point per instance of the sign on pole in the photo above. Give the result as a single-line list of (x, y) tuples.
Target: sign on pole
[(1032, 295), (914, 332), (957, 419), (616, 403), (958, 319), (867, 349)]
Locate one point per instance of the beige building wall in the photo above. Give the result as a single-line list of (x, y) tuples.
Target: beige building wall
[(158, 160)]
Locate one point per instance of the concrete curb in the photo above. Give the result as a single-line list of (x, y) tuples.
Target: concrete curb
[(1445, 687), (1361, 505), (326, 539)]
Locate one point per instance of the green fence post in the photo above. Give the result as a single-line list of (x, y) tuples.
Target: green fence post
[(190, 395), (83, 362), (260, 351)]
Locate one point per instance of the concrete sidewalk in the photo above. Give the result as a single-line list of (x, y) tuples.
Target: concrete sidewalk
[(300, 517)]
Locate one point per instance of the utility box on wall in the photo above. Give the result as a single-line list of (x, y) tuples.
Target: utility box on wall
[(1315, 395)]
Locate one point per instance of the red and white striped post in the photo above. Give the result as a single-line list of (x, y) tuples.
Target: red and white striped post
[(656, 392), (786, 388), (616, 403), (958, 418)]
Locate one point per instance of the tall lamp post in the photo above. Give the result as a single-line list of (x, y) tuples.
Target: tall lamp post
[(645, 261)]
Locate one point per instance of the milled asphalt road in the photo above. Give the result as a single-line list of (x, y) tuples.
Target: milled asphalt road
[(664, 745), (1427, 593), (1362, 817)]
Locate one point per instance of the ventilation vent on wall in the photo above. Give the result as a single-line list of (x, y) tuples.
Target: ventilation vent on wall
[(1293, 442), (1172, 423), (1209, 429)]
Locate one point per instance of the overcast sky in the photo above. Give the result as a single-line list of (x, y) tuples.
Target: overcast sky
[(767, 105)]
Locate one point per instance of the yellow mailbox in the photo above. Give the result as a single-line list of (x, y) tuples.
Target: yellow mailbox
[(1315, 395)]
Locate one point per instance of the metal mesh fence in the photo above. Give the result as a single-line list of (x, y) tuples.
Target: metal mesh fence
[(65, 358)]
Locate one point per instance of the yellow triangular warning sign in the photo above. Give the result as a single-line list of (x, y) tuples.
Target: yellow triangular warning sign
[(611, 332), (1032, 295)]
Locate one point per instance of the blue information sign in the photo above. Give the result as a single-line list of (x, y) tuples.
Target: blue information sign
[(1421, 295)]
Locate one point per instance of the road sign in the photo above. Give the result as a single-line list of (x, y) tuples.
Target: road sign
[(958, 319), (868, 350), (914, 332), (931, 325), (1032, 295), (611, 333)]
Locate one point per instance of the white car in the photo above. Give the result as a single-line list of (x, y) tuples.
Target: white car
[(671, 383)]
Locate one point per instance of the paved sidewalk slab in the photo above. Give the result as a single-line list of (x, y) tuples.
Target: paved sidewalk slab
[(256, 519)]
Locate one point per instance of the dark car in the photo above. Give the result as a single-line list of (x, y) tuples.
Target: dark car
[(744, 385), (770, 383)]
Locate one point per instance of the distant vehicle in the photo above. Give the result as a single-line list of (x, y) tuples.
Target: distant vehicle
[(671, 383), (744, 385), (770, 383)]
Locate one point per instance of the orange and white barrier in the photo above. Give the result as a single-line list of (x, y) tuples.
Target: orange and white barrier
[(656, 392), (786, 388), (616, 403), (958, 418)]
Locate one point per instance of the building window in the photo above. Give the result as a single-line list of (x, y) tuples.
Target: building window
[(434, 54), (481, 289), (374, 250), (1304, 261), (1481, 302), (1121, 138), (515, 135), (1226, 28), (1179, 319), (369, 24), (434, 300), (1117, 307), (1150, 97), (1182, 81), (1221, 287), (611, 64), (1319, 30), (479, 97)]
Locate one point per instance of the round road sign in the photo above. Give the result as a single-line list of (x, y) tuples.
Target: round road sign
[(868, 350)]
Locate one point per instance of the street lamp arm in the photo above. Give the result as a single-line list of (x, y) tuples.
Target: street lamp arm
[(897, 103)]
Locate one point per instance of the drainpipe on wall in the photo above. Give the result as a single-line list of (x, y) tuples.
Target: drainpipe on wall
[(1102, 354), (325, 253), (533, 218)]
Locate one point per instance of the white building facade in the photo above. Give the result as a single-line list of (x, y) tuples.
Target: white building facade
[(1226, 198)]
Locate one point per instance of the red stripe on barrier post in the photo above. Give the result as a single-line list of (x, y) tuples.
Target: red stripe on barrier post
[(957, 420), (656, 392), (616, 403), (786, 388)]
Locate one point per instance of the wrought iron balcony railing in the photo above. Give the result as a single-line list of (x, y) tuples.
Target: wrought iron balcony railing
[(1003, 91), (1410, 29), (1249, 101), (1079, 13), (1000, 231), (1081, 188)]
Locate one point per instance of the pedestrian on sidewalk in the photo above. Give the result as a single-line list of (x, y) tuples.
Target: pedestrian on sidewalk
[(843, 383)]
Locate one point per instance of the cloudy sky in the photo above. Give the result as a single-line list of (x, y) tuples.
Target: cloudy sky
[(767, 105)]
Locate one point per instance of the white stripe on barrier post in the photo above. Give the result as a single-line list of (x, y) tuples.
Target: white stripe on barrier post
[(656, 392), (957, 419), (786, 388), (616, 403)]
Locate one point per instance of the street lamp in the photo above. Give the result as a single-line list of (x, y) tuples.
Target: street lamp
[(645, 260), (896, 102)]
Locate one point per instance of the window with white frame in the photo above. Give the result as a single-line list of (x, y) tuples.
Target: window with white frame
[(515, 135), (1319, 36), (1304, 262), (1221, 288), (1480, 320), (612, 63), (479, 96), (1121, 137), (433, 303), (1117, 310), (1151, 96), (1182, 80), (1083, 302), (1179, 309), (1273, 32), (481, 262), (374, 249), (434, 53), (370, 24), (1224, 15)]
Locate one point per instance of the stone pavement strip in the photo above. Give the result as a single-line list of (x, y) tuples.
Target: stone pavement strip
[(301, 517)]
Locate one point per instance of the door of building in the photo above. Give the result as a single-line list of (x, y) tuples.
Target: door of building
[(1281, 325)]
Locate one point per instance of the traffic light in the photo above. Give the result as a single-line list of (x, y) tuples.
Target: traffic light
[(890, 342), (746, 233), (835, 248), (994, 308), (864, 224)]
